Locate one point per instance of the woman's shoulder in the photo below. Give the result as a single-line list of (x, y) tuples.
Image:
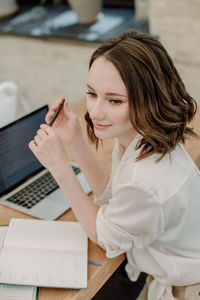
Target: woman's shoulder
[(162, 176), (177, 161)]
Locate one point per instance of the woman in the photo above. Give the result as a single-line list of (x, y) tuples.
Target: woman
[(149, 205)]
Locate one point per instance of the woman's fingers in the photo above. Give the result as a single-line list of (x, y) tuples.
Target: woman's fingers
[(49, 116), (65, 106), (42, 135), (45, 130), (53, 109), (37, 140), (33, 147)]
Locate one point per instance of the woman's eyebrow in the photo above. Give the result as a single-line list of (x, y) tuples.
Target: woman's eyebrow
[(109, 93), (115, 94), (90, 87)]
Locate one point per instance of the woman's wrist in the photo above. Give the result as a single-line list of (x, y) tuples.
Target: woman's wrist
[(61, 171), (76, 145)]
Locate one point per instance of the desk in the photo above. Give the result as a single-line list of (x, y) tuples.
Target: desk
[(97, 276)]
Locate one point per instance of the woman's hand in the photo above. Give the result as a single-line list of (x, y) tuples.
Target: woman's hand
[(49, 149), (66, 125)]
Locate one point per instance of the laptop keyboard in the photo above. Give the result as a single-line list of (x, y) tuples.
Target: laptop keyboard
[(37, 190)]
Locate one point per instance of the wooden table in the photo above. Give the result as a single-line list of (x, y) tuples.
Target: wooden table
[(97, 276)]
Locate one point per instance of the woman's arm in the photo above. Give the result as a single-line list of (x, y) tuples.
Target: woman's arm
[(51, 152), (94, 173), (67, 127), (83, 207)]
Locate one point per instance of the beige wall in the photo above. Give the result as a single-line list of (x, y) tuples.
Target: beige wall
[(177, 23), (45, 69), (141, 9)]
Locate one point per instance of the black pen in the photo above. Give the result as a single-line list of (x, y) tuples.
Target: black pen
[(56, 113)]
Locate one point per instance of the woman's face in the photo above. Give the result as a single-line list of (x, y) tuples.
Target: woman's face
[(107, 102)]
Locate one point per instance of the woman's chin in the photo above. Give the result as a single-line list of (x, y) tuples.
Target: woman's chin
[(102, 136)]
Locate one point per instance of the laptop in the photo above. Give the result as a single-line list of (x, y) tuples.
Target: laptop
[(25, 185)]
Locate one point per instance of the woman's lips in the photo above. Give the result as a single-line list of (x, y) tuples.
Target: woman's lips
[(100, 126)]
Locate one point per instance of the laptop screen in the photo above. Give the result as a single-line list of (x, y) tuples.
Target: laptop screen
[(17, 162)]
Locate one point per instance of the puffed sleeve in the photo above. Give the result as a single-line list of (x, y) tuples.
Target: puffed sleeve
[(105, 196), (133, 217)]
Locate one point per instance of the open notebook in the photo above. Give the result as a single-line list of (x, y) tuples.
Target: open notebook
[(44, 253), (12, 291)]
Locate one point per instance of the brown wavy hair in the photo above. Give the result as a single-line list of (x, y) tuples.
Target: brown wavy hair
[(160, 108)]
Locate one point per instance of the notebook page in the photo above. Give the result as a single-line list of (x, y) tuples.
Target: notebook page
[(17, 292), (42, 234), (14, 292), (3, 230), (44, 268)]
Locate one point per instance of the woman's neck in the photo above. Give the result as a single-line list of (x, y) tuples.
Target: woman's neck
[(125, 141)]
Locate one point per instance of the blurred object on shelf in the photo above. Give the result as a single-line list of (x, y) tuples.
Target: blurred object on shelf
[(8, 8), (13, 103)]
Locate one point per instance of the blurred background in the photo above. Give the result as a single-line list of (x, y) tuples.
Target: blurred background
[(45, 46)]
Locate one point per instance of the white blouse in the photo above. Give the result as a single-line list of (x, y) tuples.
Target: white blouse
[(151, 211)]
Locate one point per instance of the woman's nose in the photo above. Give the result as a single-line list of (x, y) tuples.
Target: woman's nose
[(97, 110)]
